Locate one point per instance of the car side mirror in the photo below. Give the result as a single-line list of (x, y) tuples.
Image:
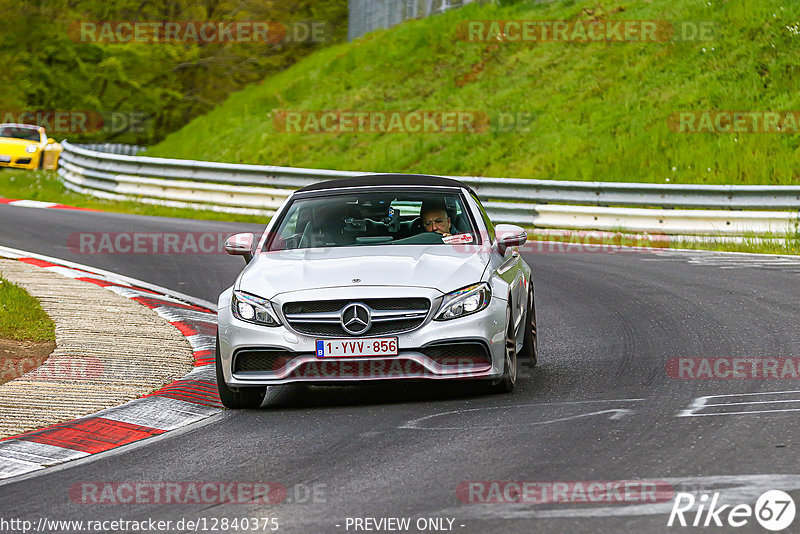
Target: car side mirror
[(509, 235), (50, 141), (240, 245)]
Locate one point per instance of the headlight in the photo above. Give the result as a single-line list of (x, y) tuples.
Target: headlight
[(464, 302), (30, 149), (253, 309)]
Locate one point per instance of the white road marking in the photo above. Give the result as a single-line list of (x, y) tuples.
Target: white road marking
[(617, 413), (731, 260), (32, 204), (742, 413), (10, 467), (159, 412), (18, 457), (69, 273), (202, 342), (172, 314), (206, 373), (702, 403), (752, 402), (30, 451)]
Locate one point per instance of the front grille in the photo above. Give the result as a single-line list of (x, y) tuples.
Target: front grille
[(323, 306), (393, 327), (316, 306), (458, 354), (320, 329), (322, 318), (266, 360)]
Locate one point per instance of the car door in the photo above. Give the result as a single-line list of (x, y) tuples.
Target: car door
[(509, 269)]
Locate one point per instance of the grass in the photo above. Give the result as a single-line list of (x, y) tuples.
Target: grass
[(599, 111), (44, 186), (21, 316)]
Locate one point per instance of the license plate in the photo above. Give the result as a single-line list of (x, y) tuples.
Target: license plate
[(5, 159), (346, 348)]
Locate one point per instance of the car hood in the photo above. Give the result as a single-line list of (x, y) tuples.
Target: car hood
[(11, 145), (440, 267)]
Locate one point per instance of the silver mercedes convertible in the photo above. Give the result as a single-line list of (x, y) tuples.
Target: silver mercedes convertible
[(378, 277)]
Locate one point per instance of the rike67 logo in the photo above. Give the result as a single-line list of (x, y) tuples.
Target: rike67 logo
[(774, 510)]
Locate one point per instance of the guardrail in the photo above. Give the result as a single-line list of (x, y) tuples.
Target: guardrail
[(260, 189), (114, 148)]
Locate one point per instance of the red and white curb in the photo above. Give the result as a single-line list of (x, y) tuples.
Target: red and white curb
[(185, 401), (39, 204)]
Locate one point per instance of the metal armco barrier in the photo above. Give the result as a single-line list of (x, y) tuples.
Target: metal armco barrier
[(114, 148), (260, 189)]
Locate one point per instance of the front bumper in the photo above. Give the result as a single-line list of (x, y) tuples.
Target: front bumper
[(27, 161), (415, 360)]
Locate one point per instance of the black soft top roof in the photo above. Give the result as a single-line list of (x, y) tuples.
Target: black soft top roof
[(383, 180)]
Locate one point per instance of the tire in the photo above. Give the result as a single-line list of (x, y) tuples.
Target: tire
[(530, 344), (509, 378), (238, 398)]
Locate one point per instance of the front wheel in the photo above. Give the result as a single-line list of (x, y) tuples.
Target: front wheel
[(509, 378), (238, 397)]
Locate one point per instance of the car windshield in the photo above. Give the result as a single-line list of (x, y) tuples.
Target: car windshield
[(389, 218), (16, 132)]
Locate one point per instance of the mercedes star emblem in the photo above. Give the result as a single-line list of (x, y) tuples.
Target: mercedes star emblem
[(356, 319)]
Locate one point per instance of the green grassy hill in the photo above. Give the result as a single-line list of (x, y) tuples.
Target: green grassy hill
[(599, 110)]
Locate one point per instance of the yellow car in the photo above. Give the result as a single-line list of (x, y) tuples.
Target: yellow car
[(25, 146)]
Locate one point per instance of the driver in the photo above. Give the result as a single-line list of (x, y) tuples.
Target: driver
[(434, 218)]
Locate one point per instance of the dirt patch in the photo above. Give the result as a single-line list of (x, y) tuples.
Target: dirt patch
[(20, 357)]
